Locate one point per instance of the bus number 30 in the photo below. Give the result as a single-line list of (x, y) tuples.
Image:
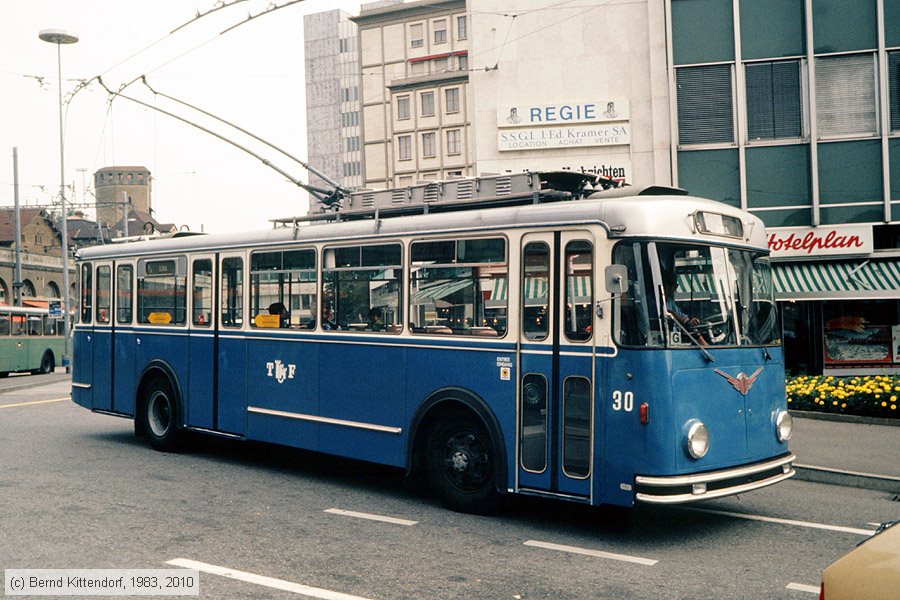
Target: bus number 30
[(623, 401)]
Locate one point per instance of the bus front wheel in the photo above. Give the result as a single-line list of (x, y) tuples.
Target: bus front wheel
[(460, 464), (159, 416)]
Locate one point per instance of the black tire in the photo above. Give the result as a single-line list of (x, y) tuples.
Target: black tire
[(159, 416), (461, 467), (48, 364)]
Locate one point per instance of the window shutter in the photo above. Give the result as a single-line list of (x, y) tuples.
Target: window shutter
[(705, 109), (845, 95), (773, 100), (894, 87)]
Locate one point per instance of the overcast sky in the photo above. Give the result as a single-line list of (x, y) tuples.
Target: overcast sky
[(252, 76)]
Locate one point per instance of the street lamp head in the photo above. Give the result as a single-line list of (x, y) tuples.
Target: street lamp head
[(58, 36)]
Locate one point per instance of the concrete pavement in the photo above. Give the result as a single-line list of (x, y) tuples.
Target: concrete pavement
[(856, 453)]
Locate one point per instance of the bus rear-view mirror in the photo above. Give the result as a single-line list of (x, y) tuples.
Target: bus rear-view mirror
[(616, 279)]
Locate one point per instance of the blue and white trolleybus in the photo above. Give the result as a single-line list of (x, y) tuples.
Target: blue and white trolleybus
[(528, 333)]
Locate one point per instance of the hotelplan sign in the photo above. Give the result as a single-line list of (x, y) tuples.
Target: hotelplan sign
[(820, 241)]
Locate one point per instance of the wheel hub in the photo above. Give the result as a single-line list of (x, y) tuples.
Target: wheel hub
[(460, 461)]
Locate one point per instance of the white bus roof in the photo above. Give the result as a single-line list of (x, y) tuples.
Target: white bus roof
[(659, 217)]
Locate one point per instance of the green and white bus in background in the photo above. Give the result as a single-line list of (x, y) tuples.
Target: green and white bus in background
[(31, 340)]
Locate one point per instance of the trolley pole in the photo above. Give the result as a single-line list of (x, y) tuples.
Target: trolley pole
[(17, 280)]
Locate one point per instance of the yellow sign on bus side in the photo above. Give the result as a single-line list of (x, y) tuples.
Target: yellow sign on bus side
[(159, 318)]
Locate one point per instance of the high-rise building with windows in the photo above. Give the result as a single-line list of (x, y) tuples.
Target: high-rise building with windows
[(333, 97), (415, 74)]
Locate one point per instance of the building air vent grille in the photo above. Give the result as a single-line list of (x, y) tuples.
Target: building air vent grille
[(504, 186)]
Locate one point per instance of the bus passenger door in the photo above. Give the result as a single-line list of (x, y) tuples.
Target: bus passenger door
[(82, 340), (230, 347), (123, 340), (198, 396), (104, 367), (555, 429)]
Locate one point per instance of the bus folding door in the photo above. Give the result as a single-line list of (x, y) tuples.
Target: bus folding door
[(230, 358), (555, 425), (199, 400), (82, 340), (123, 340), (102, 342)]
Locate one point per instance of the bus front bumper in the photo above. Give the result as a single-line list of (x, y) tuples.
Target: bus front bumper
[(678, 489)]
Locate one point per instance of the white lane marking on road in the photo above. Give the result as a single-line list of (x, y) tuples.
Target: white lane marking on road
[(596, 553), (35, 402), (371, 517), (785, 521), (278, 584), (802, 587)]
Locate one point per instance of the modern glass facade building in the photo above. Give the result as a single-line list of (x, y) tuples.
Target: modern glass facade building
[(791, 109)]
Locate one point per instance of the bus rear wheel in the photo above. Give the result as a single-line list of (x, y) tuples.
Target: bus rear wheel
[(460, 464), (159, 416), (47, 364)]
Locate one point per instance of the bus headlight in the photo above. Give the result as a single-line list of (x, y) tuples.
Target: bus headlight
[(784, 425), (697, 438)]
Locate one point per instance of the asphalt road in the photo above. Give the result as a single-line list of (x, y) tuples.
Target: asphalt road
[(77, 490)]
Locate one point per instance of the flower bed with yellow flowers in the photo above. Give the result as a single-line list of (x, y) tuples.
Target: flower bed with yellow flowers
[(869, 396)]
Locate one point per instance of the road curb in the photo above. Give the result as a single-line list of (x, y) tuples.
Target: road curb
[(869, 481), (42, 380), (809, 414)]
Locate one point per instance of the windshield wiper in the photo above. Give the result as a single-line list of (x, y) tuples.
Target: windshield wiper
[(709, 357)]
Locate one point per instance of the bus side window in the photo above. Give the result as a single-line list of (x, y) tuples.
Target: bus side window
[(35, 326), (362, 285), (579, 290), (18, 325), (87, 285), (4, 324), (201, 293), (232, 296), (161, 291), (49, 325), (124, 293), (284, 288), (103, 295)]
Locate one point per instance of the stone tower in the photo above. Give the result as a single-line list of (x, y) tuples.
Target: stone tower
[(109, 185)]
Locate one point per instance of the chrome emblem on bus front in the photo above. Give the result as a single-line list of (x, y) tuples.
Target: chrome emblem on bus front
[(280, 371), (742, 382)]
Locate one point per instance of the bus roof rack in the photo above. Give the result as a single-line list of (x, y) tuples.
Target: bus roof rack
[(505, 189)]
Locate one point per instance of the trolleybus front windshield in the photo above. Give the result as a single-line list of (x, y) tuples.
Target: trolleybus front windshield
[(681, 295)]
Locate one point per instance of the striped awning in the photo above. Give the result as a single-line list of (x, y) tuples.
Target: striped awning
[(837, 280)]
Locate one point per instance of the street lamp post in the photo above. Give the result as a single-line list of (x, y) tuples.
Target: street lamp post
[(60, 37)]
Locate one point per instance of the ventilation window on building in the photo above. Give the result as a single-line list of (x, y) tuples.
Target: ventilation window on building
[(846, 96), (894, 88), (440, 31), (461, 28), (774, 100), (344, 44), (463, 62), (427, 103), (404, 147), (345, 94), (352, 144), (428, 145), (705, 108), (402, 107), (451, 100), (453, 141), (416, 35)]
